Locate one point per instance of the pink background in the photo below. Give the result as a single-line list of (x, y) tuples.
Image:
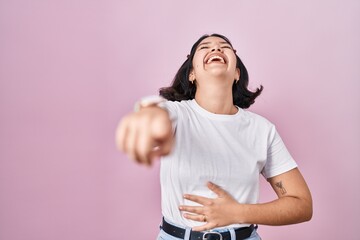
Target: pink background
[(70, 69)]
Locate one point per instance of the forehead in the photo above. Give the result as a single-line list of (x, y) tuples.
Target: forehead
[(213, 39)]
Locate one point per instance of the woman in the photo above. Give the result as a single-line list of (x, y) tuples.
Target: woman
[(213, 151)]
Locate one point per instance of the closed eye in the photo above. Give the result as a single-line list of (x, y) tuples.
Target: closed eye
[(204, 47)]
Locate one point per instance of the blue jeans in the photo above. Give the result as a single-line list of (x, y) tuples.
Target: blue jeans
[(164, 236)]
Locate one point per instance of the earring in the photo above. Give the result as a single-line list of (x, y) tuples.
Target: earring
[(192, 78)]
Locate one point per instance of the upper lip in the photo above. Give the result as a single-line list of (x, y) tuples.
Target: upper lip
[(216, 54)]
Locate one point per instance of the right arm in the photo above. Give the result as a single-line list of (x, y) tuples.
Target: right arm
[(145, 135)]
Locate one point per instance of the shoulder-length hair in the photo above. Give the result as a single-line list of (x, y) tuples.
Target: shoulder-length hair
[(182, 89)]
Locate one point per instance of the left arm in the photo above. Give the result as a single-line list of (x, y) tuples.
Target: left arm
[(294, 205)]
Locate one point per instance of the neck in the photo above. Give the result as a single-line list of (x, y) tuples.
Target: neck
[(215, 100)]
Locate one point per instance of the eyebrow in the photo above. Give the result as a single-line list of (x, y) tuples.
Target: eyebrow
[(223, 42)]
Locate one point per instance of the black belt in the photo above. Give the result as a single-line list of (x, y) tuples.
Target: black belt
[(240, 233)]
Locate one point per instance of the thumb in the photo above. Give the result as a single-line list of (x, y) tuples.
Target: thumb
[(161, 127), (163, 148), (162, 134)]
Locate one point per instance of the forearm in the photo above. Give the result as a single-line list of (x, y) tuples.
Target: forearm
[(225, 210), (283, 211)]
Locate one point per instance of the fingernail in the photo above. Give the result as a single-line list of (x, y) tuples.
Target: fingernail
[(181, 208)]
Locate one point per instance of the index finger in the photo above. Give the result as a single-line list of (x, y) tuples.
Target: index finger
[(198, 199)]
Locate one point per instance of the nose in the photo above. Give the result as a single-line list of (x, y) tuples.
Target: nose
[(216, 48)]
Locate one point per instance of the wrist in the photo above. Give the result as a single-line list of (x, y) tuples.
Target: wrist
[(243, 211), (149, 101)]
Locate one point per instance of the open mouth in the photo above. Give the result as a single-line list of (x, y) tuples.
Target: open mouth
[(216, 58)]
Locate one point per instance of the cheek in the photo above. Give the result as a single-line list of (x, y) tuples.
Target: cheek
[(197, 66), (198, 61), (233, 63)]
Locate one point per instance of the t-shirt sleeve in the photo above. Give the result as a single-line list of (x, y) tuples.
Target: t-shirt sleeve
[(279, 159)]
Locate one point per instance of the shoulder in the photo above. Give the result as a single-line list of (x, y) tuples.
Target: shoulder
[(256, 118), (258, 123), (177, 109), (177, 105)]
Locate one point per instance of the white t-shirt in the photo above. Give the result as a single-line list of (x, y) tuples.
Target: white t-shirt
[(228, 150)]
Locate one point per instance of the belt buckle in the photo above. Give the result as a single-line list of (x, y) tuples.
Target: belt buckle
[(209, 233)]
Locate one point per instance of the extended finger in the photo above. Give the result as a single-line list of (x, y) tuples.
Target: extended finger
[(195, 217), (192, 209), (167, 145), (162, 133), (216, 189), (144, 146), (198, 199), (162, 148)]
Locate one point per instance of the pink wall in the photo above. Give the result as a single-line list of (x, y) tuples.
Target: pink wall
[(70, 69)]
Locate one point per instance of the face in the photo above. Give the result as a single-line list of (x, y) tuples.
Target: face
[(214, 57)]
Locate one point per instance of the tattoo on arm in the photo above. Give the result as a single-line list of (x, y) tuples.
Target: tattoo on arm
[(280, 186)]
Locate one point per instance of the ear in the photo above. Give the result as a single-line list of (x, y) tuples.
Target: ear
[(237, 74), (192, 76)]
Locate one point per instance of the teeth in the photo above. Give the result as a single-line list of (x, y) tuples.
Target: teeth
[(215, 57)]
